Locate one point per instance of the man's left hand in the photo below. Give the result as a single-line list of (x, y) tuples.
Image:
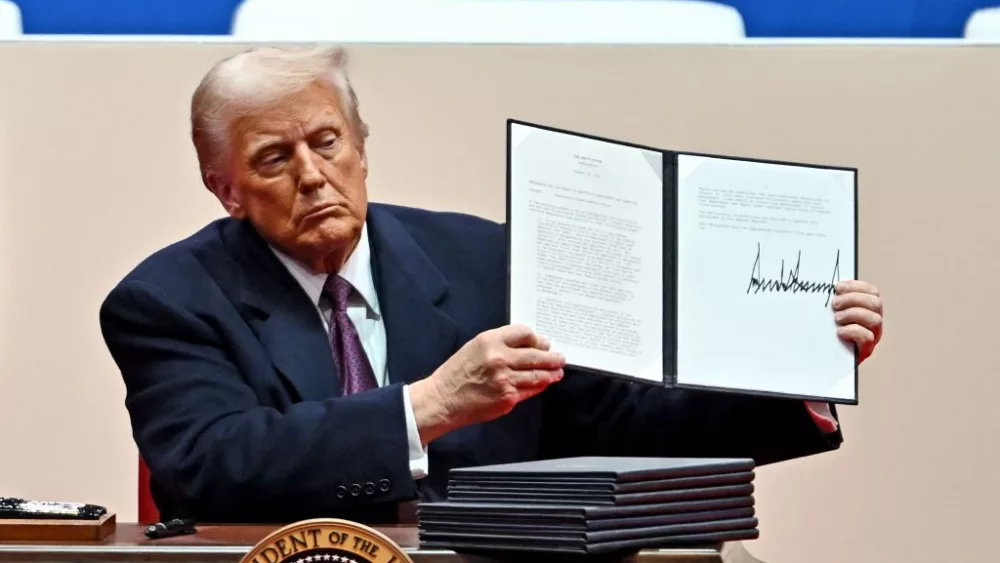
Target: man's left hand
[(857, 308)]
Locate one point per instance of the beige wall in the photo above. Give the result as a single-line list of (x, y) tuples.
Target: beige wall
[(96, 172)]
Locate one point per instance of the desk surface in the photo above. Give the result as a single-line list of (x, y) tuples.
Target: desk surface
[(227, 544)]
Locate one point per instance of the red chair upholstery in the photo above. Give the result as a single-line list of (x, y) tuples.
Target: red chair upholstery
[(148, 513)]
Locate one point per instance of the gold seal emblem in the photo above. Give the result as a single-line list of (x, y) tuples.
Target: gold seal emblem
[(326, 540)]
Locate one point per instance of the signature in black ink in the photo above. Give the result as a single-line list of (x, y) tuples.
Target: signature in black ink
[(792, 284)]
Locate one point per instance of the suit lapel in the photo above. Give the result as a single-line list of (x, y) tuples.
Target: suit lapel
[(296, 341), (419, 335), (284, 319)]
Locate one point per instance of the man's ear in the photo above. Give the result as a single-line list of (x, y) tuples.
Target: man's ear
[(224, 191), (364, 156)]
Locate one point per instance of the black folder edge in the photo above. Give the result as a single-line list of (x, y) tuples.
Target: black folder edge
[(530, 470), (670, 264), (588, 513), (443, 523), (692, 540), (655, 497), (600, 487), (598, 536)]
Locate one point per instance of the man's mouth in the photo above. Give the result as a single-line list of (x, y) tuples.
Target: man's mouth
[(321, 211)]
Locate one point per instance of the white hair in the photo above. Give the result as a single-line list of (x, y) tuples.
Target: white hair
[(238, 84)]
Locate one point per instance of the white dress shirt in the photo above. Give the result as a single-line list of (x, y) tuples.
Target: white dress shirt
[(363, 310)]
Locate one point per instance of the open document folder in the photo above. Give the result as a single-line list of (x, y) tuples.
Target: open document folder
[(682, 269)]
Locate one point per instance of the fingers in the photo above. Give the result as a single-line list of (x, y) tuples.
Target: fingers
[(856, 286), (525, 359), (533, 358), (858, 307), (859, 315), (520, 336), (535, 377), (857, 299)]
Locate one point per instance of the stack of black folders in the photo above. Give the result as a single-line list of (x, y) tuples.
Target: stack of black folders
[(593, 505)]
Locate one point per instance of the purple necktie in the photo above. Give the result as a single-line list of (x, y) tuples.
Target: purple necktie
[(352, 363)]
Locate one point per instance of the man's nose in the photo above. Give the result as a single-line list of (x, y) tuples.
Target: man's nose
[(310, 177)]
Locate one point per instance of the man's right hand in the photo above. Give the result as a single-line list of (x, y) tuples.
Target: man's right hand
[(484, 380)]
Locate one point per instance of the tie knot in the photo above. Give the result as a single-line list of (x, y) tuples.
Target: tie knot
[(338, 291)]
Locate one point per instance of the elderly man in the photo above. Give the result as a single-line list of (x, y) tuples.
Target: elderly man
[(314, 354)]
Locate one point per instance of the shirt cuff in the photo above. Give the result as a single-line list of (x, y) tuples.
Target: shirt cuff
[(822, 416), (418, 454)]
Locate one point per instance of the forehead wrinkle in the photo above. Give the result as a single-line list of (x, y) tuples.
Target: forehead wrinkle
[(323, 117)]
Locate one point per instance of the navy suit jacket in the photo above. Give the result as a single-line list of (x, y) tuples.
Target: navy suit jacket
[(235, 403)]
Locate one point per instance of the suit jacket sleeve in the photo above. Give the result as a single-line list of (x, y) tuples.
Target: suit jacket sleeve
[(210, 441), (604, 416)]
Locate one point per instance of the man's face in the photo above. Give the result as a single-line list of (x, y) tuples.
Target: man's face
[(297, 172)]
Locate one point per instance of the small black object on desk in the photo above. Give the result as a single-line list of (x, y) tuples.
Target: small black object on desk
[(171, 528)]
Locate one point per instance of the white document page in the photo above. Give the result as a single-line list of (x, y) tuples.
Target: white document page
[(586, 241), (759, 248)]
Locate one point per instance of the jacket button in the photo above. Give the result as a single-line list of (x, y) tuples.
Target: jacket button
[(383, 485), (341, 491), (355, 490), (369, 488)]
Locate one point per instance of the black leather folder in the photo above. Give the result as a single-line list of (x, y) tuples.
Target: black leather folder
[(598, 485), (613, 469), (486, 546), (592, 505), (475, 512), (514, 525), (603, 499)]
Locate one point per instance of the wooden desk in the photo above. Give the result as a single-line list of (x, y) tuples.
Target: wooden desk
[(227, 544)]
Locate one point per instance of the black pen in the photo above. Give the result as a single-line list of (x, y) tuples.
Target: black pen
[(171, 528)]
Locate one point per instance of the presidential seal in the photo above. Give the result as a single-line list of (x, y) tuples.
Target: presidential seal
[(326, 541)]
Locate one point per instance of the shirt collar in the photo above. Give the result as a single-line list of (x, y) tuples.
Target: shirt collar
[(357, 271)]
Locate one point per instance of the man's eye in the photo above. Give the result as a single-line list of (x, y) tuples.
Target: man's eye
[(272, 159), (326, 142)]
